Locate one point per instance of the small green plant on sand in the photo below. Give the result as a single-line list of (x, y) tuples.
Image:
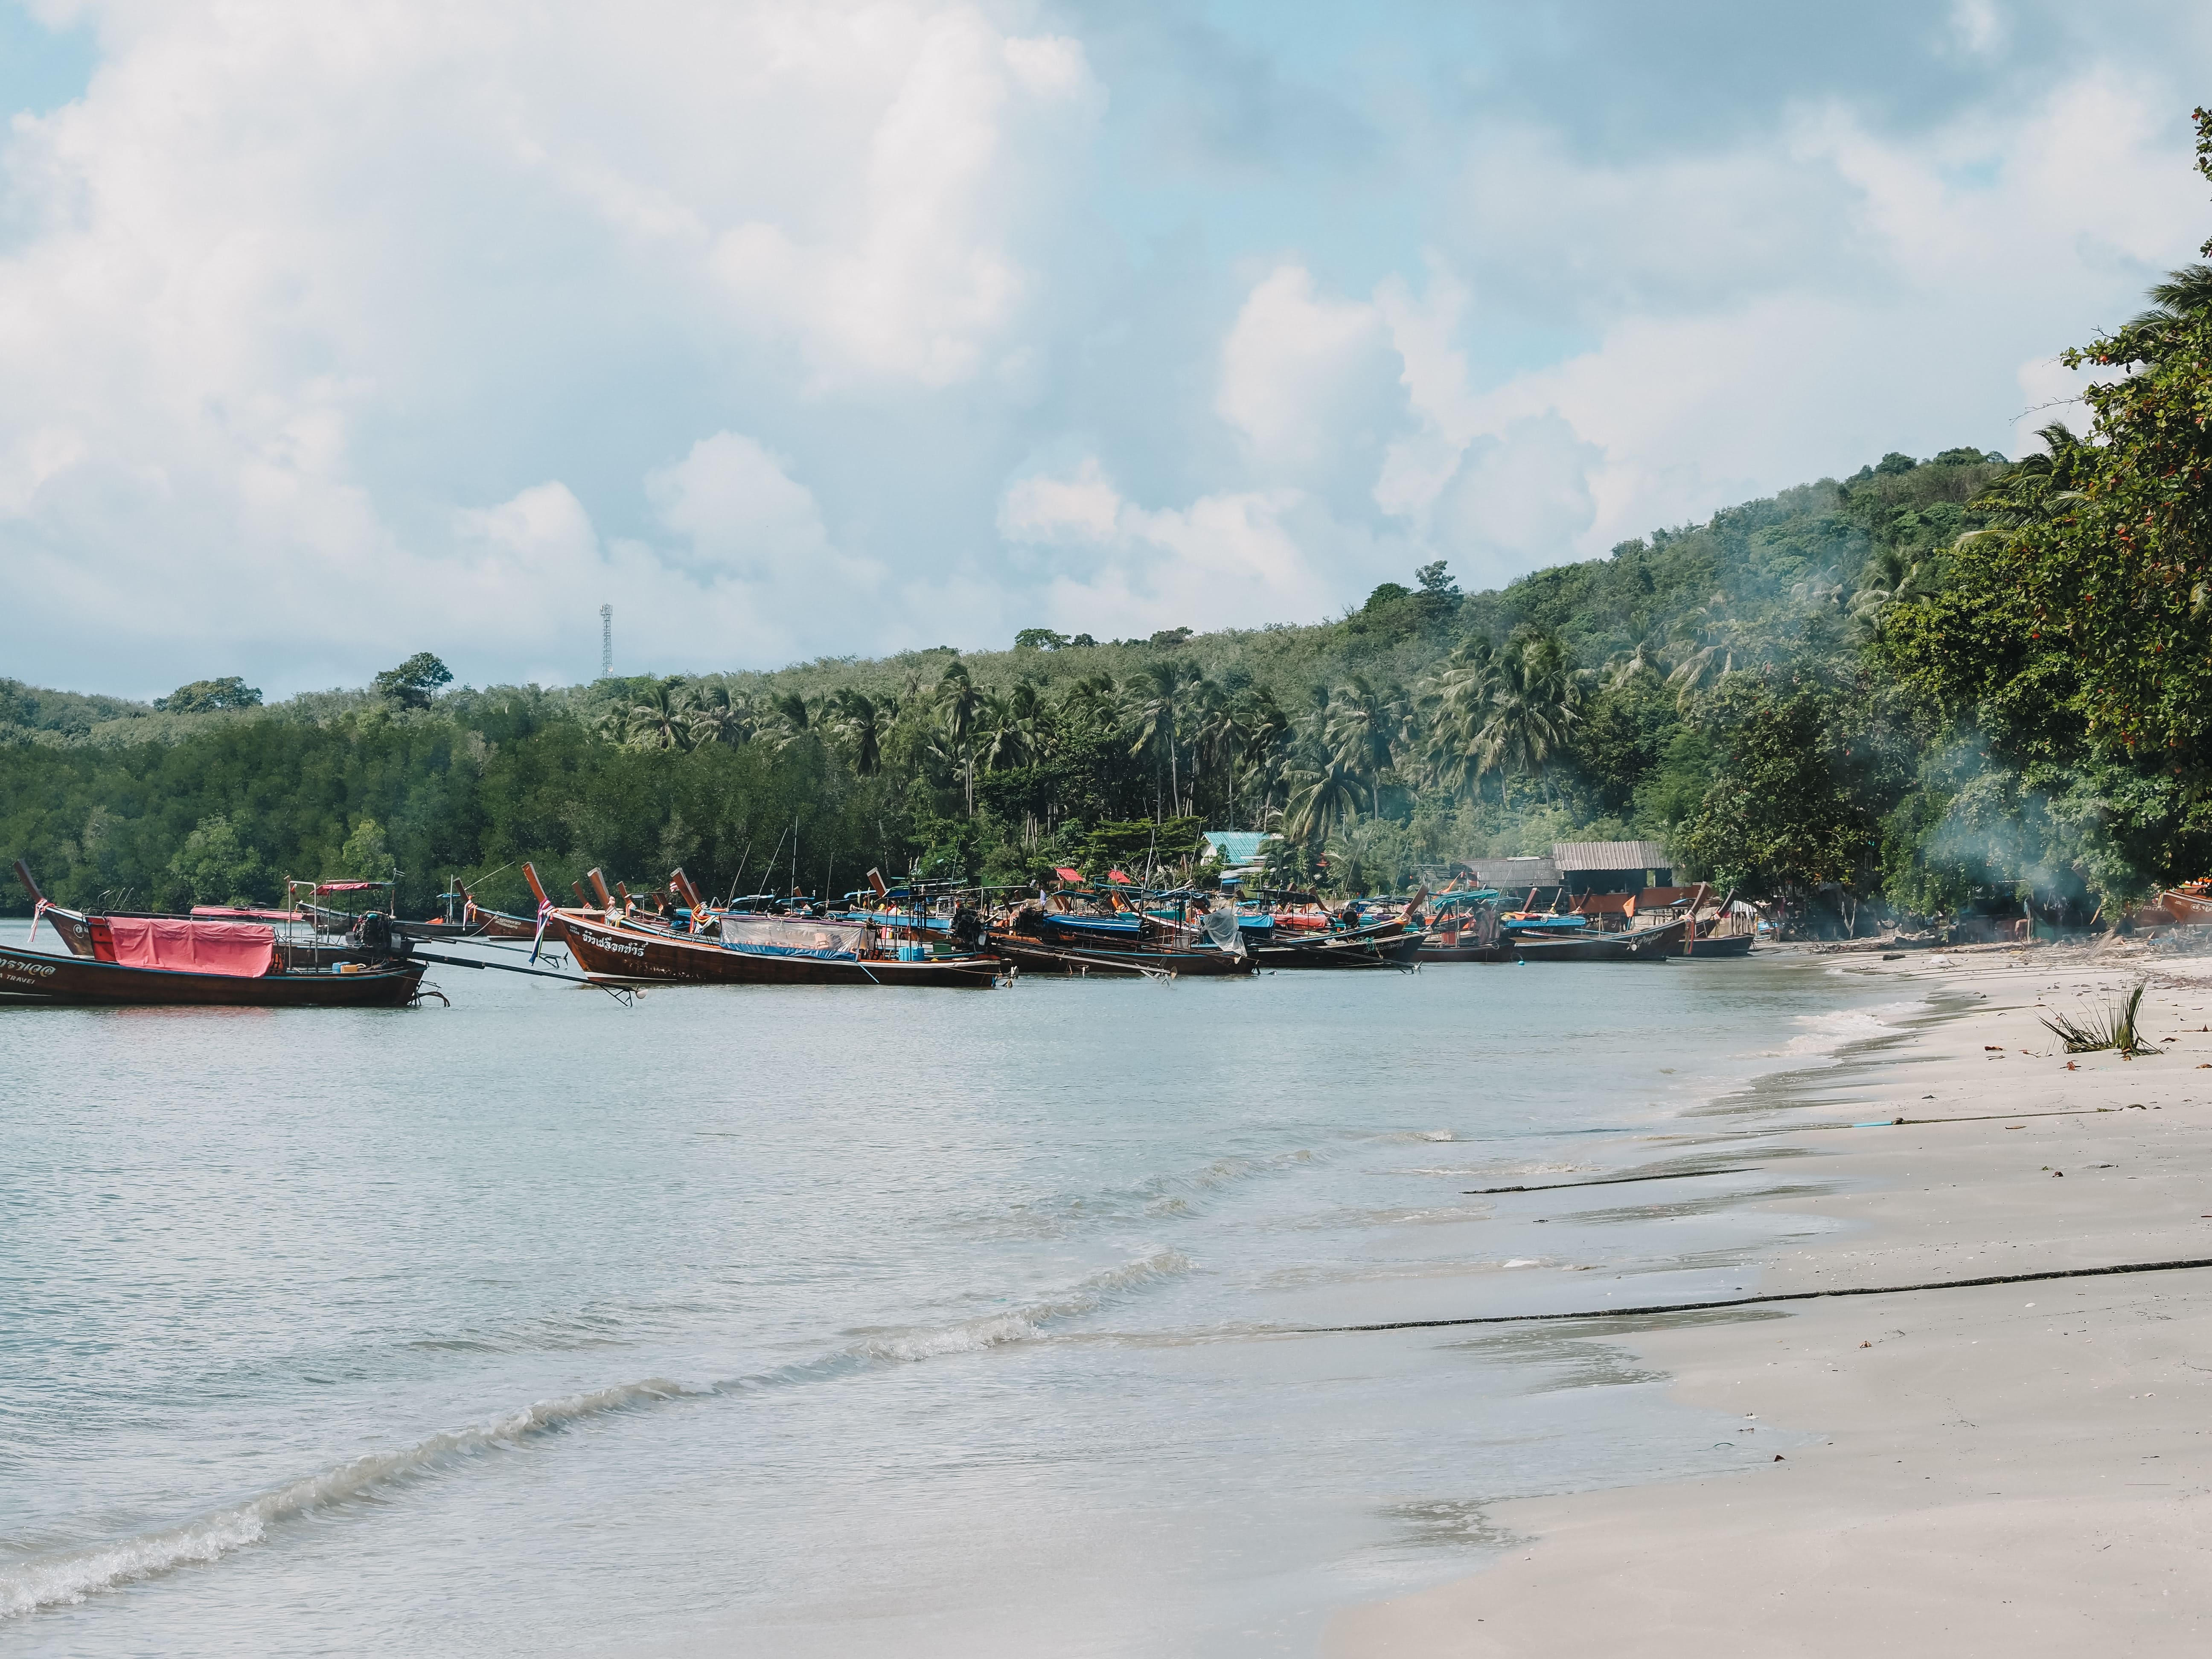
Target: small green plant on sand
[(2095, 1032)]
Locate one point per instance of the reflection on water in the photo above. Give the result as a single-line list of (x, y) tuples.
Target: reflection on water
[(816, 1321)]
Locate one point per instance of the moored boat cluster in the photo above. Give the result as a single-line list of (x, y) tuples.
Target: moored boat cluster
[(337, 943)]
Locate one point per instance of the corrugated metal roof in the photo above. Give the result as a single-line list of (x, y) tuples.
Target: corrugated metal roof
[(1236, 845), (1511, 874), (1576, 855)]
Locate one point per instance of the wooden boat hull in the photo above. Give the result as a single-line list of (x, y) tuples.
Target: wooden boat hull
[(2191, 909), (1723, 947), (34, 976), (1500, 952), (1602, 947), (1394, 948), (1039, 956), (634, 956)]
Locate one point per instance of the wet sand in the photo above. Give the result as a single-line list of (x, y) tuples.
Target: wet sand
[(2022, 1469)]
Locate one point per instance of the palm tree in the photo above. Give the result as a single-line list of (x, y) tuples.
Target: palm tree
[(1155, 703), (715, 716), (1535, 702), (1890, 576), (1321, 798), (1358, 726), (1460, 698), (1004, 737), (959, 706), (1262, 737), (1624, 668), (659, 719), (1708, 652), (863, 720)]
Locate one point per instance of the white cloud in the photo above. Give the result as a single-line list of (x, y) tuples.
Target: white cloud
[(1229, 559), (294, 285), (1292, 369), (451, 322), (1084, 507)]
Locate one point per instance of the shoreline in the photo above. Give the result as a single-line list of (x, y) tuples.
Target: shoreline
[(2014, 1467)]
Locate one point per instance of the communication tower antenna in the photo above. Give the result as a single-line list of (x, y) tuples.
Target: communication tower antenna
[(606, 640)]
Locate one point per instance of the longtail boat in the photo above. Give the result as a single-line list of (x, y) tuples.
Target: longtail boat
[(614, 946), (763, 951), (1384, 944), (1463, 927), (1165, 935), (189, 961), (298, 950), (1650, 945), (2189, 905)]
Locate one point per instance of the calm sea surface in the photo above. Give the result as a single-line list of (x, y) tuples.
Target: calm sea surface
[(840, 1322)]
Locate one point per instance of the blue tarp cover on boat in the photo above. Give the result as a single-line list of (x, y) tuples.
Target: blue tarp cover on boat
[(1114, 925)]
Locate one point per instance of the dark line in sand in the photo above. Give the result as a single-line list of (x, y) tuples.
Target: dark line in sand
[(1750, 1300), (1609, 1181)]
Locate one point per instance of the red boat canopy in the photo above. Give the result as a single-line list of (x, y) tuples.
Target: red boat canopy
[(237, 913), (350, 886), (1073, 877), (1115, 875), (235, 949)]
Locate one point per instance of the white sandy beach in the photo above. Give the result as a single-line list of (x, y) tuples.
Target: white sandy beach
[(2013, 1469)]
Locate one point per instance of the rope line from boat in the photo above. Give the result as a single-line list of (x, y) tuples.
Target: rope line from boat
[(622, 994), (1654, 1308)]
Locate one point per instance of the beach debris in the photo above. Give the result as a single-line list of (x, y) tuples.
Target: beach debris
[(1778, 1457), (2056, 1175), (1993, 1048), (2093, 1031), (2073, 1065), (1866, 1345)]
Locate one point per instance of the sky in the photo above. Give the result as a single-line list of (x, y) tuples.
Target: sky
[(331, 332)]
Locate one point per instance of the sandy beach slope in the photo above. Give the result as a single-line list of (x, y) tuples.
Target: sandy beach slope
[(2019, 1469)]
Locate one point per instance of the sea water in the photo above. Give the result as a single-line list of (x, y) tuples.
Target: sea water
[(835, 1321)]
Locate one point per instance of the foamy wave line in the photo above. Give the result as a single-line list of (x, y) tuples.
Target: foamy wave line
[(1020, 1324), (72, 1576), (1825, 1033), (57, 1580)]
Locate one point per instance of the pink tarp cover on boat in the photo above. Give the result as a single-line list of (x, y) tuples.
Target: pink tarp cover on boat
[(236, 949)]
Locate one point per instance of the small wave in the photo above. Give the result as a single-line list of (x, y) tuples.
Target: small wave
[(1826, 1033), (1019, 1324), (73, 1575)]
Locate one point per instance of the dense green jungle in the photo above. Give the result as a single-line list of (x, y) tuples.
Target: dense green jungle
[(1936, 685)]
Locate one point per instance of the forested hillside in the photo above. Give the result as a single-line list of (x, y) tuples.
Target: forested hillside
[(1427, 725), (1935, 684)]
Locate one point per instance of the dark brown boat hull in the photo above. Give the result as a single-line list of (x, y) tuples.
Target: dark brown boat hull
[(1036, 957), (1395, 949), (1602, 947), (634, 956), (1720, 948), (80, 982), (1493, 953)]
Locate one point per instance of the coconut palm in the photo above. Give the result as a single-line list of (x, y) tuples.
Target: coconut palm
[(1360, 728), (1155, 703), (1006, 732), (1321, 798), (863, 721), (1532, 707), (659, 717), (1457, 703), (959, 706), (1707, 654), (713, 715), (1261, 739)]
